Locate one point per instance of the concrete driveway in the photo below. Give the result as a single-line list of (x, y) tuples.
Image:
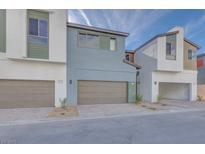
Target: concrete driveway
[(36, 115), (186, 127)]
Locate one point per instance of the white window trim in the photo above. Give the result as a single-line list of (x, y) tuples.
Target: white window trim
[(112, 38)]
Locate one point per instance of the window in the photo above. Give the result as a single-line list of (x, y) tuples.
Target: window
[(92, 41), (190, 54), (38, 31), (112, 44), (37, 34), (127, 57), (43, 30), (33, 27), (88, 40), (171, 47)]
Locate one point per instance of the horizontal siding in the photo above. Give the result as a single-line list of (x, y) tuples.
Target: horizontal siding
[(37, 51)]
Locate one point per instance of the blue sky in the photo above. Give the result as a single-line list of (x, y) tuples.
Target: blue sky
[(144, 24)]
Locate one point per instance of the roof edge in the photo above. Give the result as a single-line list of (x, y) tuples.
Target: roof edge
[(97, 29), (156, 36), (201, 55), (192, 43), (132, 64)]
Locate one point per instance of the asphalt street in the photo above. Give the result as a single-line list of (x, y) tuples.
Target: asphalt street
[(186, 127)]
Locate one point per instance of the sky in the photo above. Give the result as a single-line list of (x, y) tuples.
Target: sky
[(144, 24)]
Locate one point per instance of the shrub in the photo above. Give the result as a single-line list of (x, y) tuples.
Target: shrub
[(63, 103), (138, 98), (199, 98), (159, 98)]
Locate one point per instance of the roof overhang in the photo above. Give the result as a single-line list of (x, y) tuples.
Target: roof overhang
[(96, 29), (129, 51), (192, 43), (132, 64)]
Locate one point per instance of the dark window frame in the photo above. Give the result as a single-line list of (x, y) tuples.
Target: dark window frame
[(171, 47)]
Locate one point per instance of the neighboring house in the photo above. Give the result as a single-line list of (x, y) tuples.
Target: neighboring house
[(97, 73), (130, 56), (168, 67), (201, 75), (201, 68), (32, 58)]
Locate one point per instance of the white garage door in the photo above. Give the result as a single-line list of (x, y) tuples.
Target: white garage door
[(175, 91), (101, 92)]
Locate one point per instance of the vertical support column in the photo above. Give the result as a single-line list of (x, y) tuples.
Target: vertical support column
[(60, 91), (192, 91), (155, 91), (131, 92)]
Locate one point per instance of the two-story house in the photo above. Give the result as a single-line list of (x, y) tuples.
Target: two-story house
[(97, 73), (169, 68), (201, 75), (32, 58), (201, 68)]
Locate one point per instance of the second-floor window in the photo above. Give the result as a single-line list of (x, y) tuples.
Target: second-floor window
[(112, 44), (38, 31), (127, 57), (95, 41), (171, 47), (88, 40), (37, 34), (190, 54)]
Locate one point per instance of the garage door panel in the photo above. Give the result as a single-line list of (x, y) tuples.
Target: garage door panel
[(21, 93), (101, 92), (102, 100), (175, 91)]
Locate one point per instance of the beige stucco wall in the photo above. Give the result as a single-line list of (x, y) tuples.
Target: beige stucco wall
[(189, 64)]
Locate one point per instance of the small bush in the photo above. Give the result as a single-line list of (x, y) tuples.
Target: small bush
[(63, 103), (159, 98), (199, 98), (138, 98)]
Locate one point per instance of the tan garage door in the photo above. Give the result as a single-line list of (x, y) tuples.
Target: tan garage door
[(101, 92), (21, 93)]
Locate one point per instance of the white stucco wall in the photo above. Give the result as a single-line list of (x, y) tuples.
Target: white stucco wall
[(171, 65), (150, 49), (15, 65), (189, 77)]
